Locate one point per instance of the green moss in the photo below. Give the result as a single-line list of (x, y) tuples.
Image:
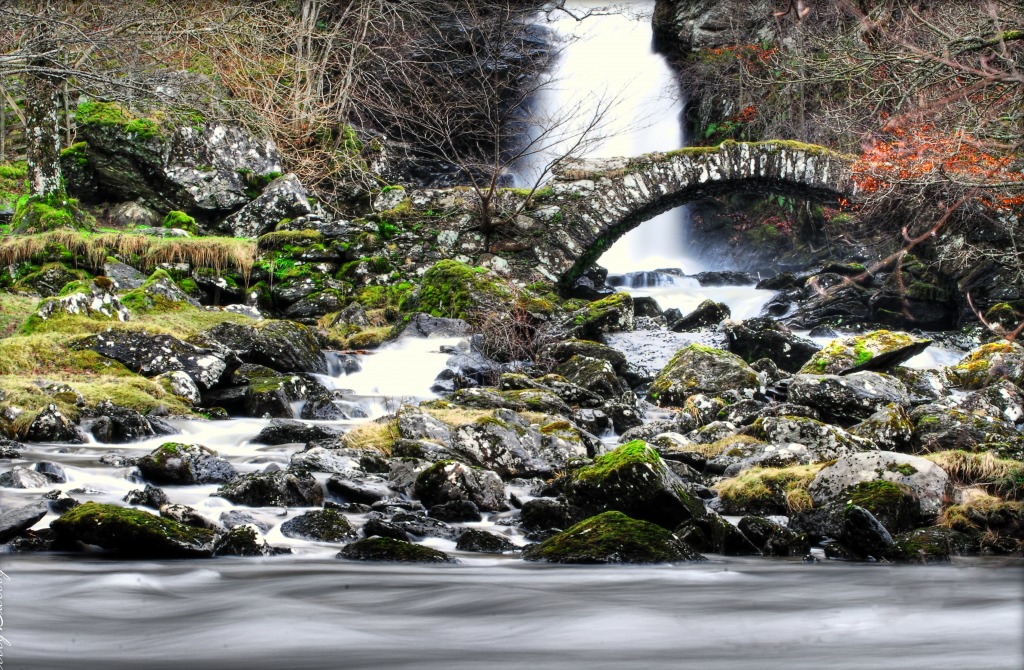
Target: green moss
[(455, 290), (631, 453), (388, 550), (76, 153), (176, 219), (612, 537), (768, 490), (282, 238), (255, 183), (132, 531), (101, 114)]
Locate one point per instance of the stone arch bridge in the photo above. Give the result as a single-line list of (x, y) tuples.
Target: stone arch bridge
[(593, 202)]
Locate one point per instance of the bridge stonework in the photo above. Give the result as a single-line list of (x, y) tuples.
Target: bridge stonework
[(593, 202)]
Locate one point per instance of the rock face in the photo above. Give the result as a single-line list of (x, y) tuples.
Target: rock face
[(199, 170), (612, 537), (849, 397), (132, 532), (174, 463), (700, 369), (152, 355), (284, 346), (927, 480), (635, 481), (689, 25)]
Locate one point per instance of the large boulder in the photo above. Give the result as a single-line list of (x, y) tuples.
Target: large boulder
[(281, 488), (120, 425), (700, 369), (754, 339), (879, 350), (612, 537), (205, 169), (849, 397), (23, 478), (283, 198), (15, 521), (707, 314), (284, 346), (823, 441), (593, 374), (925, 479), (88, 300), (448, 481), (50, 425), (152, 355), (274, 397), (613, 314), (634, 480), (132, 532), (175, 463)]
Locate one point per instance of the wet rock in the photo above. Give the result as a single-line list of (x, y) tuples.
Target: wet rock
[(120, 425), (850, 397), (634, 480), (132, 532), (244, 540), (238, 518), (281, 488), (366, 490), (930, 545), (15, 521), (152, 355), (424, 325), (423, 526), (10, 448), (52, 471), (187, 515), (456, 511), (387, 550), (382, 528), (699, 369), (23, 478), (151, 497), (483, 542), (759, 338), (879, 351), (322, 525), (283, 431), (773, 539), (612, 537), (50, 425), (863, 535), (446, 481), (542, 514), (925, 479), (938, 427), (714, 534), (707, 314), (181, 385), (274, 396), (421, 449), (182, 464), (562, 351)]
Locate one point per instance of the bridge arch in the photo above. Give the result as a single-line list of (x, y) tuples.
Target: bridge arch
[(600, 200)]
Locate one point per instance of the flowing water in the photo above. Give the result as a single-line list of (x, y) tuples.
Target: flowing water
[(310, 610)]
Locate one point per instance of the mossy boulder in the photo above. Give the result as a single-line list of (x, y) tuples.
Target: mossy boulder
[(613, 314), (930, 545), (987, 365), (939, 427), (701, 369), (924, 479), (281, 488), (863, 535), (754, 339), (242, 540), (458, 291), (878, 350), (562, 351), (633, 480), (132, 532), (51, 425), (50, 279), (449, 481), (78, 299), (707, 314), (766, 490), (612, 537), (182, 464), (823, 441), (847, 398), (482, 542), (388, 550), (159, 293), (322, 525), (284, 346), (153, 355), (593, 374), (274, 396)]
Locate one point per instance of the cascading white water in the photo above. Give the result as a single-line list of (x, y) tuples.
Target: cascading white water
[(609, 57)]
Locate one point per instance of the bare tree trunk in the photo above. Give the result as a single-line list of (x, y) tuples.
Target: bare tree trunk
[(42, 112)]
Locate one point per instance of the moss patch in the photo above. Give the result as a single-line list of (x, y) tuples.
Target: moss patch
[(768, 490), (612, 537)]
